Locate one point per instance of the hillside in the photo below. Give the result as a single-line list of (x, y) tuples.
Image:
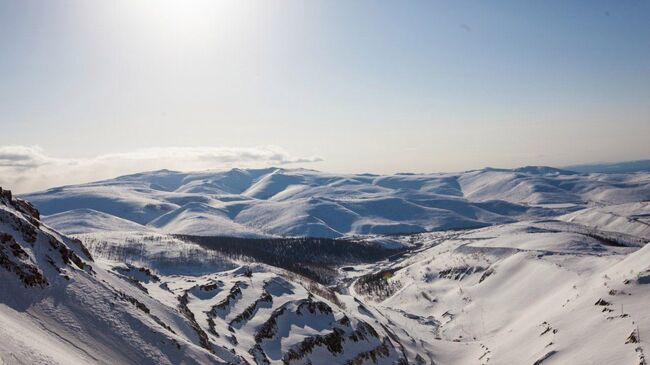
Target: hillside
[(536, 292), (59, 305), (279, 202), (542, 291)]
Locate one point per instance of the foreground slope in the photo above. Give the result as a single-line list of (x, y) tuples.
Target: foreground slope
[(60, 306), (549, 291), (533, 292)]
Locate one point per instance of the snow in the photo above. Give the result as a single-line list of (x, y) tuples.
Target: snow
[(629, 218), (75, 317), (541, 274), (77, 221), (202, 220), (104, 311), (283, 202), (526, 265)]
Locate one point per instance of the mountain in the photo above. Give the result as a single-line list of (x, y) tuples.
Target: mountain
[(614, 167), (548, 291), (58, 305), (279, 202), (79, 221)]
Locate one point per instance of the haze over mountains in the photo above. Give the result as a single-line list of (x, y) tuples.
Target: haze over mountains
[(616, 167), (282, 202)]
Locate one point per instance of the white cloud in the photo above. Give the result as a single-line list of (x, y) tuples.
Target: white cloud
[(29, 168), (22, 157)]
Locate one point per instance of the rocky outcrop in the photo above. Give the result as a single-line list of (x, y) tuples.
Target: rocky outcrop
[(264, 301), (27, 248), (204, 341), (20, 205), (15, 259)]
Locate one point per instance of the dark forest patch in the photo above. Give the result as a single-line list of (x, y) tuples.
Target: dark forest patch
[(315, 258)]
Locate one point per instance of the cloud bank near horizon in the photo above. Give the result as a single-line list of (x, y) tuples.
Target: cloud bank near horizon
[(30, 168)]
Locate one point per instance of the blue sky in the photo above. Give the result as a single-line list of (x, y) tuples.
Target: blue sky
[(343, 86)]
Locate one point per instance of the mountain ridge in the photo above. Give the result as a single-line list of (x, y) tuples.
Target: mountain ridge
[(58, 305), (300, 202)]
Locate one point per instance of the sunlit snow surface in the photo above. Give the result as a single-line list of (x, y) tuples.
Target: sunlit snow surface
[(553, 268), (254, 203)]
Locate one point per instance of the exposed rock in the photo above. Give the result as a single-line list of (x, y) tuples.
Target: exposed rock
[(545, 357), (203, 337), (632, 338), (602, 302)]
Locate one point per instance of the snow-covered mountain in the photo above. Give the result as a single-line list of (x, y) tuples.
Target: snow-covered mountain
[(549, 291), (60, 306), (279, 202), (545, 292), (538, 266)]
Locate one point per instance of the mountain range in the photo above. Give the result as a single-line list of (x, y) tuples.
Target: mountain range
[(534, 265), (280, 202)]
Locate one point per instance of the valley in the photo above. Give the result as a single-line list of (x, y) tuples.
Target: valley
[(557, 276)]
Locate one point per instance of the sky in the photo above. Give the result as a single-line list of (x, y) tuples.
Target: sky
[(94, 89)]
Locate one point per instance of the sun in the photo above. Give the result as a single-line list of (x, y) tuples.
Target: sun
[(184, 13), (188, 19)]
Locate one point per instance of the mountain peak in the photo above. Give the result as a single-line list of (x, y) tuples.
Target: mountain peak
[(20, 205)]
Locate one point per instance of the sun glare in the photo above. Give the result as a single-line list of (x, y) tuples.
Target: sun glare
[(188, 19)]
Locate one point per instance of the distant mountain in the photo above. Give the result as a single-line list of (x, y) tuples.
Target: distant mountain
[(282, 202), (614, 167)]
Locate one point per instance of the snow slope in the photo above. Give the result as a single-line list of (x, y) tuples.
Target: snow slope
[(79, 221), (569, 289), (533, 292), (57, 306), (202, 220), (60, 306), (630, 218), (279, 202)]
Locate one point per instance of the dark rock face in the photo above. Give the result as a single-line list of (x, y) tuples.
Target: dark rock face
[(15, 259), (19, 204), (22, 255), (203, 337), (632, 338), (602, 302)]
